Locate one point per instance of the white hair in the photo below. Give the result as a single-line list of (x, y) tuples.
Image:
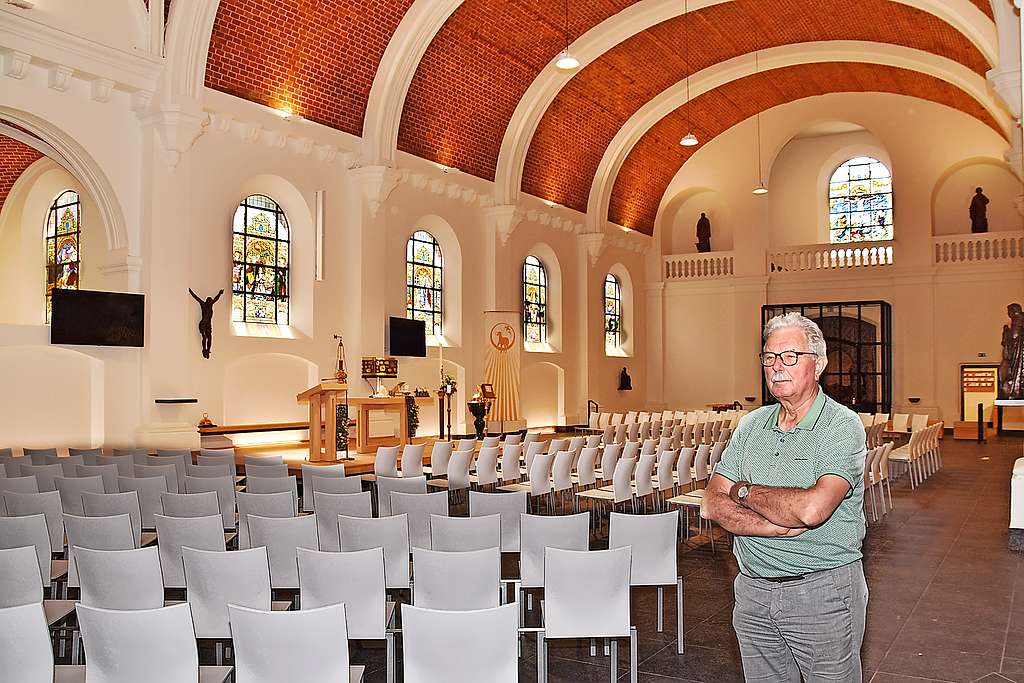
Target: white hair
[(815, 339)]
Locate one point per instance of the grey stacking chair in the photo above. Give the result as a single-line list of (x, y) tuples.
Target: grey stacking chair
[(96, 533), (263, 505), (461, 534), (29, 531), (190, 504), (108, 473), (175, 533), (89, 455), (261, 460), (224, 487), (385, 462), (218, 470), (440, 454), (179, 458), (21, 578), (419, 508), (254, 484), (25, 647), (109, 504), (216, 579), (218, 452), (44, 475), (282, 536), (464, 580), (487, 641), (148, 490), (71, 491), (330, 505), (335, 485), (510, 506), (309, 472), (169, 472), (20, 485), (120, 579), (67, 463), (39, 456), (266, 471), (219, 461), (390, 533), (47, 504), (387, 485), (125, 463), (412, 460)]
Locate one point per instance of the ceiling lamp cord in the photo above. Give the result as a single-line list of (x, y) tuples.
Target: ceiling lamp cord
[(689, 140), (760, 189), (566, 61)]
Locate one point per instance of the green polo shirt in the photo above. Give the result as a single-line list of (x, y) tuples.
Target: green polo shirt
[(828, 440)]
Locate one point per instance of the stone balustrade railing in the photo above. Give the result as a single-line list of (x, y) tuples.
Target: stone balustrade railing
[(813, 257), (699, 266), (978, 247)]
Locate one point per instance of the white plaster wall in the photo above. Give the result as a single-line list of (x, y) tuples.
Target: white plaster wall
[(953, 194), (120, 24)]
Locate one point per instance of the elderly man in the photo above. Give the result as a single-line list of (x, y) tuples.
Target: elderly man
[(790, 487)]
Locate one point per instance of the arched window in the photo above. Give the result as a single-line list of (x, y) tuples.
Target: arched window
[(423, 277), (63, 245), (259, 279), (535, 301), (612, 313), (860, 202)]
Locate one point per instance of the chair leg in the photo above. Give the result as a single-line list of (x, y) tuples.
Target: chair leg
[(615, 660), (389, 646), (633, 655), (542, 656), (661, 609), (679, 613)]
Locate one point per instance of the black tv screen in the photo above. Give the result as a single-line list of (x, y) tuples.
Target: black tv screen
[(97, 318), (407, 337)]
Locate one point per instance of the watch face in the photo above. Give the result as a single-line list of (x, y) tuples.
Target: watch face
[(744, 490)]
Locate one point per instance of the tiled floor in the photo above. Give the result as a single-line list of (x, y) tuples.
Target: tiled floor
[(947, 597)]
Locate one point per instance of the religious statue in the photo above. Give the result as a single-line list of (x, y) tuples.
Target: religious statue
[(625, 381), (206, 319), (703, 233), (1011, 368), (978, 210)]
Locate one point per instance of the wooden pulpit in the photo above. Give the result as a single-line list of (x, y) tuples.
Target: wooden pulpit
[(323, 419)]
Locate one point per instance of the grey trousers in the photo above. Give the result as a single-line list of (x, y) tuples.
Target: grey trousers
[(811, 628)]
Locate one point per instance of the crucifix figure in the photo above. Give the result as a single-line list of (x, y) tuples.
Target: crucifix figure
[(206, 319)]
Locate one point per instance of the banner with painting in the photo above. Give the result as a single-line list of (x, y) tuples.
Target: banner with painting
[(501, 365)]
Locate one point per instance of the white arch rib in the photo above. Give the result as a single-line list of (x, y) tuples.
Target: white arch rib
[(187, 46), (960, 14), (394, 76), (775, 58)]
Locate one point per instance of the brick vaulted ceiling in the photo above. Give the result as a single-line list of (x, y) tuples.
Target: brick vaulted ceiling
[(15, 157), (319, 57)]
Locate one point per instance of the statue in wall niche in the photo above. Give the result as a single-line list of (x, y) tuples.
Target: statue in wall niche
[(625, 381), (1011, 367), (703, 233), (979, 211), (206, 319)]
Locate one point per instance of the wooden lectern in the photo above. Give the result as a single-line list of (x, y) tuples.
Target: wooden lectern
[(323, 410)]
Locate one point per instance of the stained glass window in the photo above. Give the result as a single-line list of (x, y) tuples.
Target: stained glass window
[(535, 300), (63, 245), (260, 248), (612, 313), (860, 202), (423, 277)]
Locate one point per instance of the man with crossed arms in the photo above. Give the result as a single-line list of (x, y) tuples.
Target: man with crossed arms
[(790, 486)]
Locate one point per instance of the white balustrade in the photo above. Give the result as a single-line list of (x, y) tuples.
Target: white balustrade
[(703, 266), (978, 247), (811, 257)]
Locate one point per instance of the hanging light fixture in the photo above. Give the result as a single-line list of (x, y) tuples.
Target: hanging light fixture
[(566, 61), (689, 140), (760, 189)]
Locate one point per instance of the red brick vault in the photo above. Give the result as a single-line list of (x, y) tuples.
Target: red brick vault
[(319, 58), (15, 157)]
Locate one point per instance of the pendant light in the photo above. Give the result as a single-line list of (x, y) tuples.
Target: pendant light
[(566, 61), (760, 189), (689, 140)]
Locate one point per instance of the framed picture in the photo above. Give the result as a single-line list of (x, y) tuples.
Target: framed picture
[(487, 391)]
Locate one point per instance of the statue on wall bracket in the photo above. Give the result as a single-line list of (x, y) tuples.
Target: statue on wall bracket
[(979, 211), (703, 233), (206, 319), (1011, 367)]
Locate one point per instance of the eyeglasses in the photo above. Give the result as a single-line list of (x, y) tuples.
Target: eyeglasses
[(789, 358)]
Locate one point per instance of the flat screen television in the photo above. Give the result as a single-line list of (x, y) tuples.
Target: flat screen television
[(84, 317), (407, 337)]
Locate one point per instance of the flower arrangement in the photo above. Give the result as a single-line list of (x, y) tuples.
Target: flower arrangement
[(448, 384), (412, 415)]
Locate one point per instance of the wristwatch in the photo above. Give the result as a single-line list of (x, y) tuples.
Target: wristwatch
[(739, 491), (743, 492)]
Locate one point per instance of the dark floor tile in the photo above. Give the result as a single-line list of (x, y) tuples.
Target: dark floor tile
[(939, 664), (698, 663), (1013, 669)]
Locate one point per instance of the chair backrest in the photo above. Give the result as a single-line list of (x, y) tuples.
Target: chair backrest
[(609, 457), (385, 463), (217, 453), (261, 460), (44, 474), (585, 466), (47, 504), (487, 465), (106, 473), (633, 431), (440, 453), (620, 433), (157, 645), (224, 487), (571, 532), (918, 422), (190, 504), (458, 470), (884, 459), (594, 421), (96, 533), (666, 466), (307, 645), (281, 536), (179, 458), (21, 582), (217, 461), (716, 453), (310, 471), (264, 505), (169, 472), (540, 474), (67, 463), (460, 534), (486, 641), (510, 462), (466, 445), (174, 533), (530, 437), (700, 462), (419, 508), (881, 418), (514, 440), (120, 579), (266, 470), (110, 504), (412, 460), (457, 580), (561, 471), (330, 505), (254, 484), (38, 456), (622, 480), (335, 485), (586, 593), (533, 449), (390, 533), (631, 450), (653, 539), (683, 465), (125, 463), (71, 490), (148, 490), (216, 579), (25, 484), (221, 469), (556, 445), (28, 531), (25, 647), (131, 451), (362, 592), (687, 435), (592, 441), (509, 505), (387, 485), (866, 419), (642, 476), (899, 422), (649, 446), (608, 435), (490, 441)]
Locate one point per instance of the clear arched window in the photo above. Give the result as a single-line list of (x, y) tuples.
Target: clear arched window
[(259, 279), (535, 300), (424, 270), (612, 313), (63, 245), (860, 202)]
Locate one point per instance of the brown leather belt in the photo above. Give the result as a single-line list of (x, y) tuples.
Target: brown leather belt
[(782, 579)]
